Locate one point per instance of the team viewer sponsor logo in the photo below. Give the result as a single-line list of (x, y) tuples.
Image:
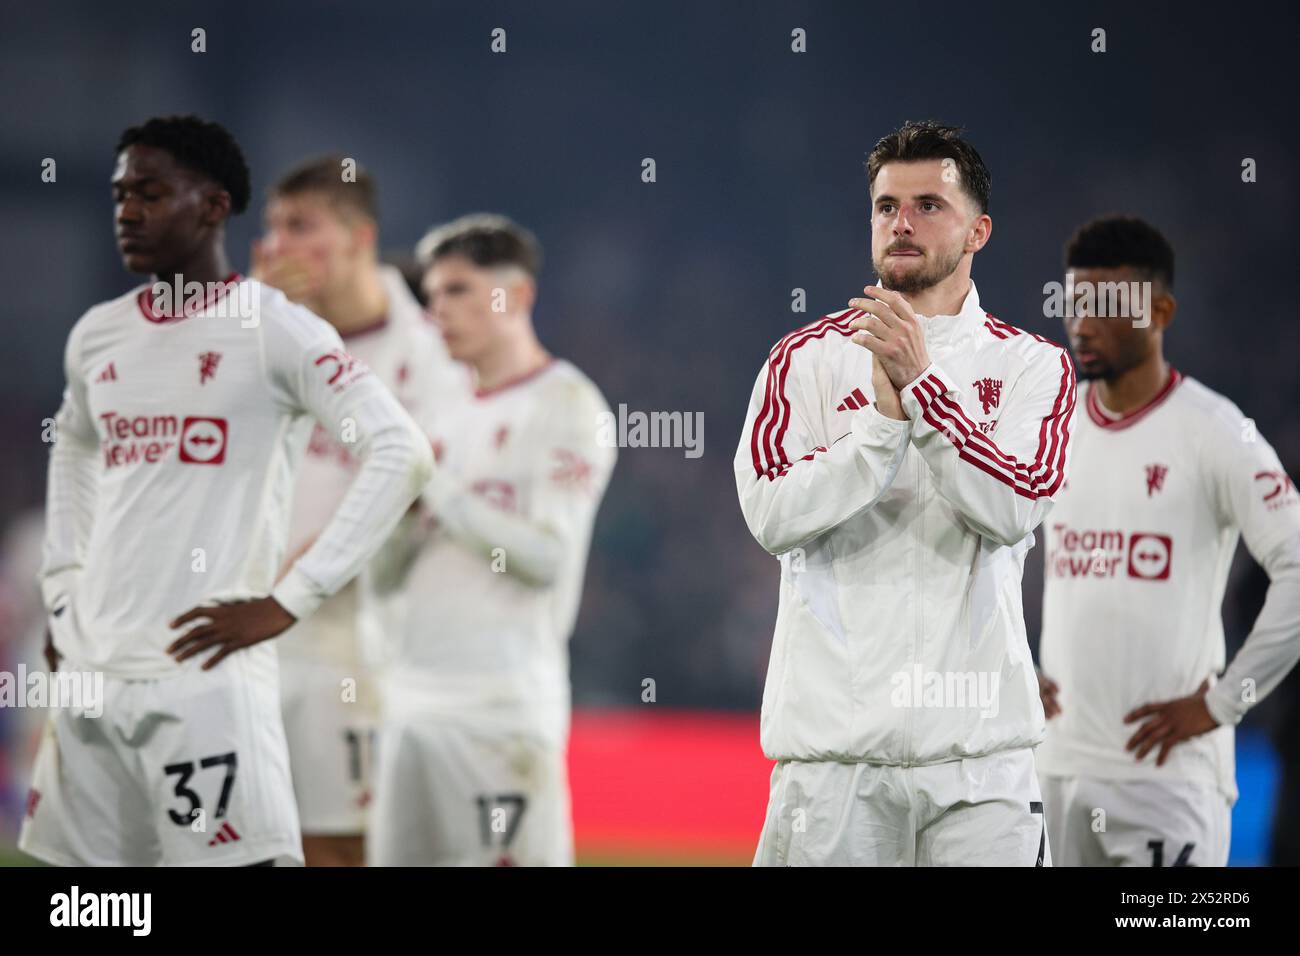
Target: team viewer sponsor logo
[(1149, 556), (1109, 553), (150, 439), (203, 441)]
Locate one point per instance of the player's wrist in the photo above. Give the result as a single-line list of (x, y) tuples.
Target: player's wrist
[(296, 595), (1220, 709), (912, 394), (916, 376), (281, 611)]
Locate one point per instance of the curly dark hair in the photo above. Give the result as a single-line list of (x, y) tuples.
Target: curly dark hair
[(198, 145), (1113, 242), (927, 139)]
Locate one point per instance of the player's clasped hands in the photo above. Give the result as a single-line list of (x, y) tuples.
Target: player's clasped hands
[(229, 627), (893, 333)]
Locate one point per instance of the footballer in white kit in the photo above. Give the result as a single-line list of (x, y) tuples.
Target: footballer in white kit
[(470, 608), (167, 516), (319, 247), (897, 458), (1137, 767)]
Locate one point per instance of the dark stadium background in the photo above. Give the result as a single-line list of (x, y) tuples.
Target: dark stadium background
[(669, 294)]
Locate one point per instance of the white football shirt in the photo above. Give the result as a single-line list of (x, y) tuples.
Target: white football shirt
[(172, 469), (478, 626), (403, 350), (1137, 553)]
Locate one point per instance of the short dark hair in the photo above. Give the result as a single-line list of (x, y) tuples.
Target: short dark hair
[(915, 141), (1113, 242), (486, 240), (324, 175), (202, 147)]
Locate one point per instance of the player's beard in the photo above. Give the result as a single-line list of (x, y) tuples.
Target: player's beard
[(912, 281), (1107, 370), (1098, 371)]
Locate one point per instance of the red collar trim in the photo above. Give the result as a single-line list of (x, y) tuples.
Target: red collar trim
[(145, 301), (1100, 418), (528, 376)]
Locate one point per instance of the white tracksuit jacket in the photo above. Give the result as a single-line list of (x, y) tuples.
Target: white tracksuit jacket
[(900, 637)]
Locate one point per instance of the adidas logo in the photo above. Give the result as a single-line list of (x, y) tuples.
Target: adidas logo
[(853, 401), (226, 834), (108, 375)]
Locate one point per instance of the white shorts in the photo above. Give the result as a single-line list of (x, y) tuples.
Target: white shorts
[(1095, 822), (185, 771), (980, 811), (446, 795), (330, 719)]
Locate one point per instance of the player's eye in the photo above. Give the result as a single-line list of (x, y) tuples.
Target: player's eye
[(929, 206)]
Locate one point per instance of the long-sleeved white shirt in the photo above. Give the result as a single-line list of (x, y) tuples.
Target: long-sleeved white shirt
[(467, 612), (407, 355), (171, 473), (900, 637), (1137, 556)]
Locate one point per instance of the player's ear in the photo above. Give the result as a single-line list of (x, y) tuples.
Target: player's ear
[(216, 203), (1163, 307), (525, 293), (365, 233), (978, 235)]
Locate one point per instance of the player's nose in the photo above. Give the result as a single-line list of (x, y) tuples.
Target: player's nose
[(129, 210), (1086, 327)]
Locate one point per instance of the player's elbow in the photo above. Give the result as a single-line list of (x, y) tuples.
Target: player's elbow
[(421, 464), (538, 576), (760, 517), (411, 455), (1015, 524), (541, 569), (773, 536)]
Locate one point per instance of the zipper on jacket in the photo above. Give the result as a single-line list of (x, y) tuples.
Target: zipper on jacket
[(918, 597)]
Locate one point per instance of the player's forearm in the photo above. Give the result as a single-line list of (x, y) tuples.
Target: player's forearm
[(516, 545), (996, 513), (396, 463), (790, 504), (1272, 647), (1001, 494), (391, 564)]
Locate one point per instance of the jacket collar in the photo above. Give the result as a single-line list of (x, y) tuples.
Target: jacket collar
[(944, 330)]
